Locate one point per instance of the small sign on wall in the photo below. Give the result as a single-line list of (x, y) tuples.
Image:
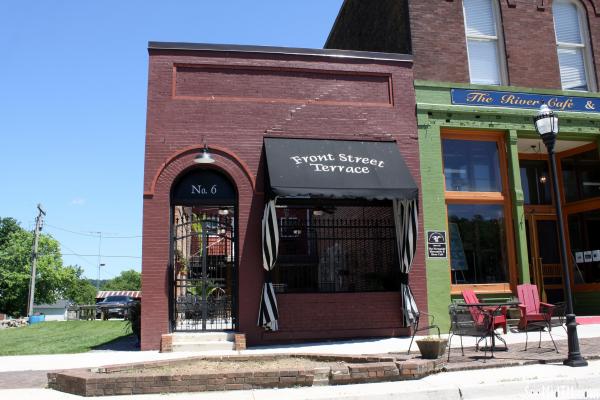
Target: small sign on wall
[(436, 244), (579, 257)]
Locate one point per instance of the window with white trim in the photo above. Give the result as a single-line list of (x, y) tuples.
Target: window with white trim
[(484, 45), (572, 45)]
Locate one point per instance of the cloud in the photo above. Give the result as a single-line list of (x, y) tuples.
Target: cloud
[(78, 201)]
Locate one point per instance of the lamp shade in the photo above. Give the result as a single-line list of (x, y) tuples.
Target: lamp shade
[(204, 157), (546, 122)]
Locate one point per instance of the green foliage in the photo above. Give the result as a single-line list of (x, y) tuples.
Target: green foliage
[(7, 227), (82, 291), (128, 280), (60, 337), (53, 279)]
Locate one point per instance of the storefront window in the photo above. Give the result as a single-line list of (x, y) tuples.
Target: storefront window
[(471, 166), (585, 246), (581, 176), (535, 181), (335, 248), (477, 243), (477, 204)]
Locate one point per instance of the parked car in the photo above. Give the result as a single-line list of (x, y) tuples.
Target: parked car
[(114, 307)]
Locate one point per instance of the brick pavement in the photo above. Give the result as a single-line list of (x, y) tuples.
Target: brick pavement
[(516, 354)]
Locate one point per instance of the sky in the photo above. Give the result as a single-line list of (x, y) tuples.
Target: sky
[(73, 82)]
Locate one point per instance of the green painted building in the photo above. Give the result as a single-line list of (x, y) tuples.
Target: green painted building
[(486, 184)]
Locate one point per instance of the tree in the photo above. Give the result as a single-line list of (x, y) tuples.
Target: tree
[(127, 280), (82, 291), (7, 226), (53, 279)]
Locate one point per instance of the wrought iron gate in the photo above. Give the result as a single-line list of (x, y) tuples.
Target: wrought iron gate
[(204, 261)]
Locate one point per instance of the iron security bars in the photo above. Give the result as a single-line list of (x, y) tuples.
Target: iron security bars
[(341, 249), (204, 270)]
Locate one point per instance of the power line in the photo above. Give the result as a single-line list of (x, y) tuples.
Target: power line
[(70, 231), (94, 234), (74, 254), (96, 255), (121, 237)]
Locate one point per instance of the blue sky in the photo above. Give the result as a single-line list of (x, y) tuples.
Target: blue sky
[(73, 80)]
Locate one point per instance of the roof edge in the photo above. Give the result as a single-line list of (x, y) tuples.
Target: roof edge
[(345, 54), (337, 18)]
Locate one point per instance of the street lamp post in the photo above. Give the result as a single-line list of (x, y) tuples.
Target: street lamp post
[(546, 125)]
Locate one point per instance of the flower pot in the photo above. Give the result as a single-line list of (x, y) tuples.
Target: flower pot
[(432, 348)]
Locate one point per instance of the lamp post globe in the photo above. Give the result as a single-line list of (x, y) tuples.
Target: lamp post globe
[(546, 125)]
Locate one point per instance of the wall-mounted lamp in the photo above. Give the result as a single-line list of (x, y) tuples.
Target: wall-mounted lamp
[(543, 179), (204, 157), (223, 211), (317, 212)]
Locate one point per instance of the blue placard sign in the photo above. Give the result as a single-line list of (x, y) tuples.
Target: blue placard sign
[(491, 98)]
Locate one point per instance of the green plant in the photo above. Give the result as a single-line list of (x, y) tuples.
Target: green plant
[(210, 285)]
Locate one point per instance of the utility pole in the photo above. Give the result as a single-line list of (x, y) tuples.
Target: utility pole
[(39, 220), (99, 259)]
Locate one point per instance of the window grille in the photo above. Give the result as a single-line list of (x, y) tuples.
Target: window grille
[(344, 249)]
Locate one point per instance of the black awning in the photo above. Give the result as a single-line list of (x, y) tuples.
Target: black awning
[(337, 169)]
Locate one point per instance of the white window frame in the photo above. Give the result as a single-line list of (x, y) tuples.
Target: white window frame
[(499, 39), (584, 33)]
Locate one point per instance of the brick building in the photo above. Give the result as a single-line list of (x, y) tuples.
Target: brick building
[(211, 111), (482, 68)]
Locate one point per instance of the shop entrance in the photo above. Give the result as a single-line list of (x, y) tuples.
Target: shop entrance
[(204, 257), (579, 179), (545, 268)]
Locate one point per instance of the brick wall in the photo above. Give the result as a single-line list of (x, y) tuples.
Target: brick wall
[(438, 41), (233, 123)]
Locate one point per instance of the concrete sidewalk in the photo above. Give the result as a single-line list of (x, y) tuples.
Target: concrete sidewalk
[(25, 376), (97, 358)]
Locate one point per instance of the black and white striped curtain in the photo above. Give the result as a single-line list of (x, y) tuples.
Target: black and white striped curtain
[(406, 222), (268, 314)]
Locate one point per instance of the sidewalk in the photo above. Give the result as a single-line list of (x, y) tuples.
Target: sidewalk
[(25, 376)]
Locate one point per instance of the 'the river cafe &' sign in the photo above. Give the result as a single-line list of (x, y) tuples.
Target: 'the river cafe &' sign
[(491, 98)]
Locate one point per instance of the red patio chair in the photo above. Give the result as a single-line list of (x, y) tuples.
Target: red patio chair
[(532, 309), (499, 320)]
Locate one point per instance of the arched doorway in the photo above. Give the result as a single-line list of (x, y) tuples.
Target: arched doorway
[(203, 252)]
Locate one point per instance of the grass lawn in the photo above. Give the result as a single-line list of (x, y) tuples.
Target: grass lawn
[(60, 337)]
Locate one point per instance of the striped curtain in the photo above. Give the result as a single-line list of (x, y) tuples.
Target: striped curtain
[(406, 223), (268, 314)]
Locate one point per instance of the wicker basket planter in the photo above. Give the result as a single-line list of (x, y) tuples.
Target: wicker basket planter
[(432, 348)]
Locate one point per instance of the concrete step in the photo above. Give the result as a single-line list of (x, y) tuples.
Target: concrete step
[(203, 346), (195, 337)]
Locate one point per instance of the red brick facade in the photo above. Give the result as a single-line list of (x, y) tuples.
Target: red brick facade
[(230, 100), (439, 42)]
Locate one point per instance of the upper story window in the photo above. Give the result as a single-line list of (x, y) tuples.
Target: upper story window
[(572, 43), (484, 45)]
